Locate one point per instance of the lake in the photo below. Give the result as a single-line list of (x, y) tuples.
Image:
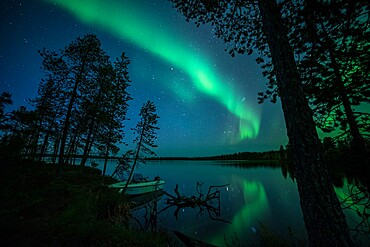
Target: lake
[(257, 194)]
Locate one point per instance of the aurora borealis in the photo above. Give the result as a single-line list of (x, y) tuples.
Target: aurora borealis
[(122, 22), (206, 99)]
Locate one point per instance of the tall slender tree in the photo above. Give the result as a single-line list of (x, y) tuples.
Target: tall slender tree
[(82, 58), (111, 131), (146, 135), (47, 107), (93, 107), (107, 107), (347, 50), (83, 98), (18, 133), (331, 50), (5, 99), (259, 25)]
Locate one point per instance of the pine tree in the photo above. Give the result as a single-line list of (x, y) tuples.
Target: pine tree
[(16, 142), (146, 135), (82, 58), (111, 130), (82, 88), (5, 99), (332, 52), (248, 25)]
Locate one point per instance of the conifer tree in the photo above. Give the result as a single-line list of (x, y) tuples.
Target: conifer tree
[(82, 88), (145, 131), (332, 54), (111, 130), (5, 99), (258, 25), (82, 59), (341, 48)]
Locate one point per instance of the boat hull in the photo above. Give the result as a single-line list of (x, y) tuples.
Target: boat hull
[(140, 188)]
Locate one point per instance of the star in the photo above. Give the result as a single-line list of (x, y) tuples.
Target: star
[(185, 70)]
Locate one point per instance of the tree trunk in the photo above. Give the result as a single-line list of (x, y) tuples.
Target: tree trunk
[(137, 151), (56, 147), (30, 146), (72, 147), (323, 216), (106, 160), (33, 143), (88, 142), (44, 145), (46, 138), (358, 142), (68, 116)]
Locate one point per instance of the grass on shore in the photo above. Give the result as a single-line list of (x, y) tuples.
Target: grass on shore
[(39, 209)]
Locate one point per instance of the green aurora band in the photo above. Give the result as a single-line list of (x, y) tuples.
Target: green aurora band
[(122, 21)]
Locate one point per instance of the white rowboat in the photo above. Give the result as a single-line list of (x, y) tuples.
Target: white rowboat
[(139, 185)]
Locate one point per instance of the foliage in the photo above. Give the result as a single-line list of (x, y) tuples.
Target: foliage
[(74, 210), (332, 54), (81, 104), (271, 239), (80, 107), (331, 50), (239, 24), (5, 99), (259, 26), (145, 132), (18, 128), (357, 199)]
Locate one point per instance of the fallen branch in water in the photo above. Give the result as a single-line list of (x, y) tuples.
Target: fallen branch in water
[(202, 202)]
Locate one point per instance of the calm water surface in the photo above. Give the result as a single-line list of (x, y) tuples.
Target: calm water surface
[(254, 195)]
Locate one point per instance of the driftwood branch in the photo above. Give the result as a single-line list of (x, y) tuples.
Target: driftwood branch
[(202, 202), (358, 200)]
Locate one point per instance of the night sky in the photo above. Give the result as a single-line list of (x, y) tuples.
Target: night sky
[(206, 100)]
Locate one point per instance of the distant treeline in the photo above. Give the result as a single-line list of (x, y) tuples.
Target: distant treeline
[(268, 155)]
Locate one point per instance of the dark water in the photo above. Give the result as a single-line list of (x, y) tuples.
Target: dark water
[(257, 194)]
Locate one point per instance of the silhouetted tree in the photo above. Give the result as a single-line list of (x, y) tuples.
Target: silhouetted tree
[(83, 102), (331, 51), (76, 69), (51, 101), (108, 108), (249, 25), (92, 107), (82, 59), (47, 105), (282, 154), (5, 99), (111, 132), (18, 133), (146, 135), (333, 60)]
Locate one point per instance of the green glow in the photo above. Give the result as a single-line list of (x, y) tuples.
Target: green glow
[(255, 206), (205, 83), (125, 21), (343, 194)]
